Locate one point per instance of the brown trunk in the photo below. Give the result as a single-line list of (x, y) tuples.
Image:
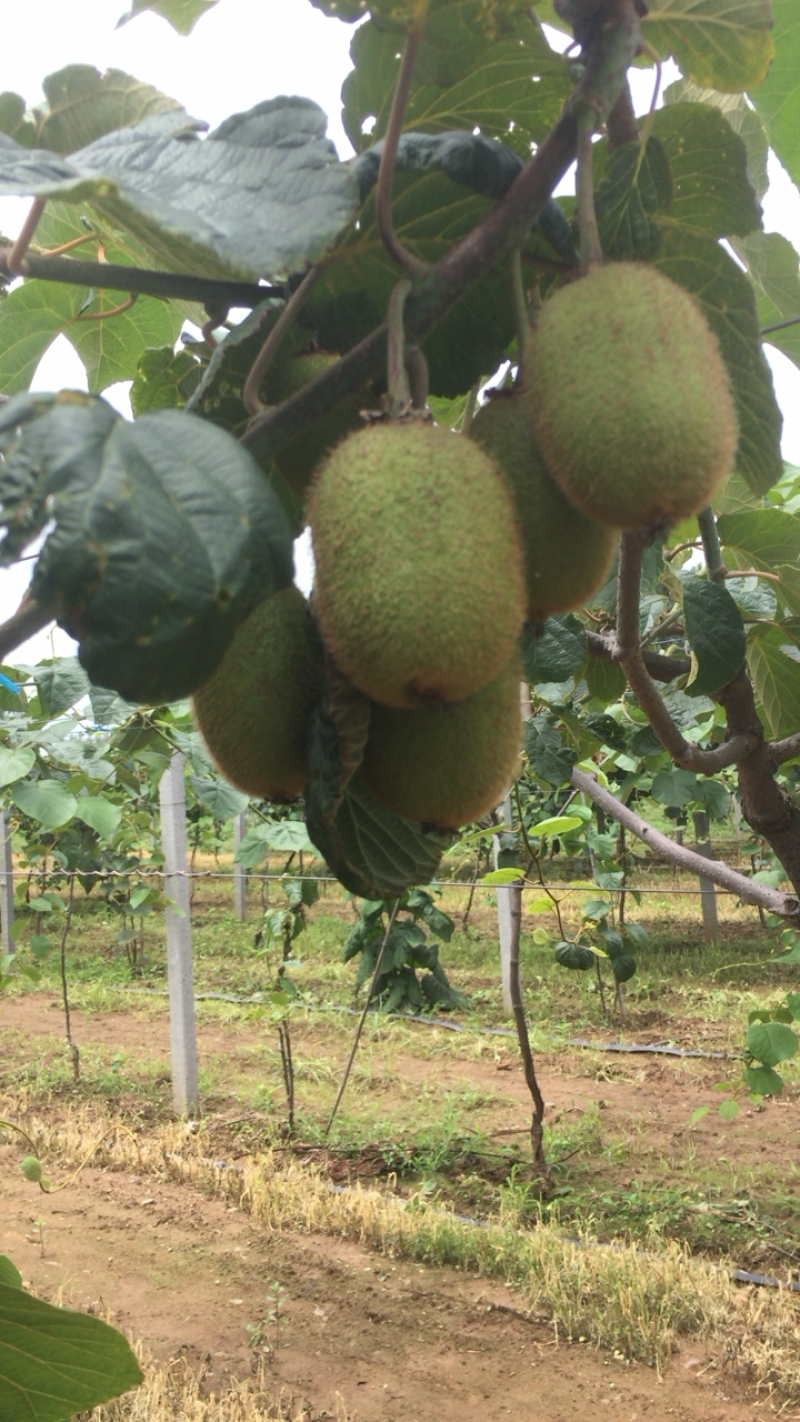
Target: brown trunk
[(766, 807)]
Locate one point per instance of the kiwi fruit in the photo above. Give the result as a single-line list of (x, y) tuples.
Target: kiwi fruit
[(253, 713), (567, 555), (298, 459), (419, 589), (630, 397), (447, 765)]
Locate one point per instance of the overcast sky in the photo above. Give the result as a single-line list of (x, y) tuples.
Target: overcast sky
[(240, 53)]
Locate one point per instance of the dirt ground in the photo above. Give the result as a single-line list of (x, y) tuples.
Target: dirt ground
[(398, 1343)]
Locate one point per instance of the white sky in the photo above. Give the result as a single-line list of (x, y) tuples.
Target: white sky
[(240, 53)]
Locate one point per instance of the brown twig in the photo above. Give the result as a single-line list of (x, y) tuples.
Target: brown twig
[(18, 250), (362, 1019), (521, 1024), (383, 200), (29, 618), (787, 905), (269, 350), (112, 311)]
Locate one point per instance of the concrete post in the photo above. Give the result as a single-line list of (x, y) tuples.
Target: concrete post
[(183, 1035), (708, 896), (6, 885), (239, 871)]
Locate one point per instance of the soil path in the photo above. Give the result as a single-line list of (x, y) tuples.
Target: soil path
[(398, 1343)]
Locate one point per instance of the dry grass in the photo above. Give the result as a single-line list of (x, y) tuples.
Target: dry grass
[(173, 1394), (641, 1303)]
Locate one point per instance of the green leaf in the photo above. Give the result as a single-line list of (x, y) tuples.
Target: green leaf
[(729, 1110), (15, 762), (165, 380), (373, 852), (698, 1113), (772, 262), (549, 757), (572, 955), (9, 1273), (557, 652), (777, 99), (31, 1168), (763, 1081), (290, 836), (761, 538), (742, 118), (169, 506), (101, 815), (83, 105), (264, 194), (725, 44), (31, 317), (776, 677), (182, 15), (220, 799), (605, 680), (48, 801), (771, 1042), (623, 966), (715, 632), (708, 161), (460, 79), (483, 164), (556, 824), (633, 191), (431, 211), (13, 120), (60, 684), (674, 787), (793, 1004), (112, 346), (503, 876), (715, 797), (55, 1362), (727, 300)]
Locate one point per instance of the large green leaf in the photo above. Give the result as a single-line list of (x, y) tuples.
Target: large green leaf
[(763, 538), (771, 1042), (776, 676), (35, 313), (557, 652), (181, 14), (59, 685), (708, 161), (15, 762), (220, 799), (431, 212), (773, 265), (727, 300), (264, 194), (100, 814), (14, 120), (715, 633), (741, 117), (166, 535), (777, 100), (48, 801), (55, 1362), (9, 1273), (633, 189), (510, 86), (83, 104), (725, 44), (550, 758)]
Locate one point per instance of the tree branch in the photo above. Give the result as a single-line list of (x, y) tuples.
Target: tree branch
[(113, 276), (630, 657), (622, 126), (787, 749), (660, 667), (29, 618), (787, 905), (505, 226)]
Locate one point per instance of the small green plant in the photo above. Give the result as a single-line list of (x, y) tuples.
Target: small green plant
[(266, 1333), (770, 1041), (408, 950)]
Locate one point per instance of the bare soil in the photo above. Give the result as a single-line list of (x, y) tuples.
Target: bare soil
[(399, 1343)]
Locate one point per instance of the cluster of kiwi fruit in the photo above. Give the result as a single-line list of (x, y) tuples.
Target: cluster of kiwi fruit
[(432, 550)]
